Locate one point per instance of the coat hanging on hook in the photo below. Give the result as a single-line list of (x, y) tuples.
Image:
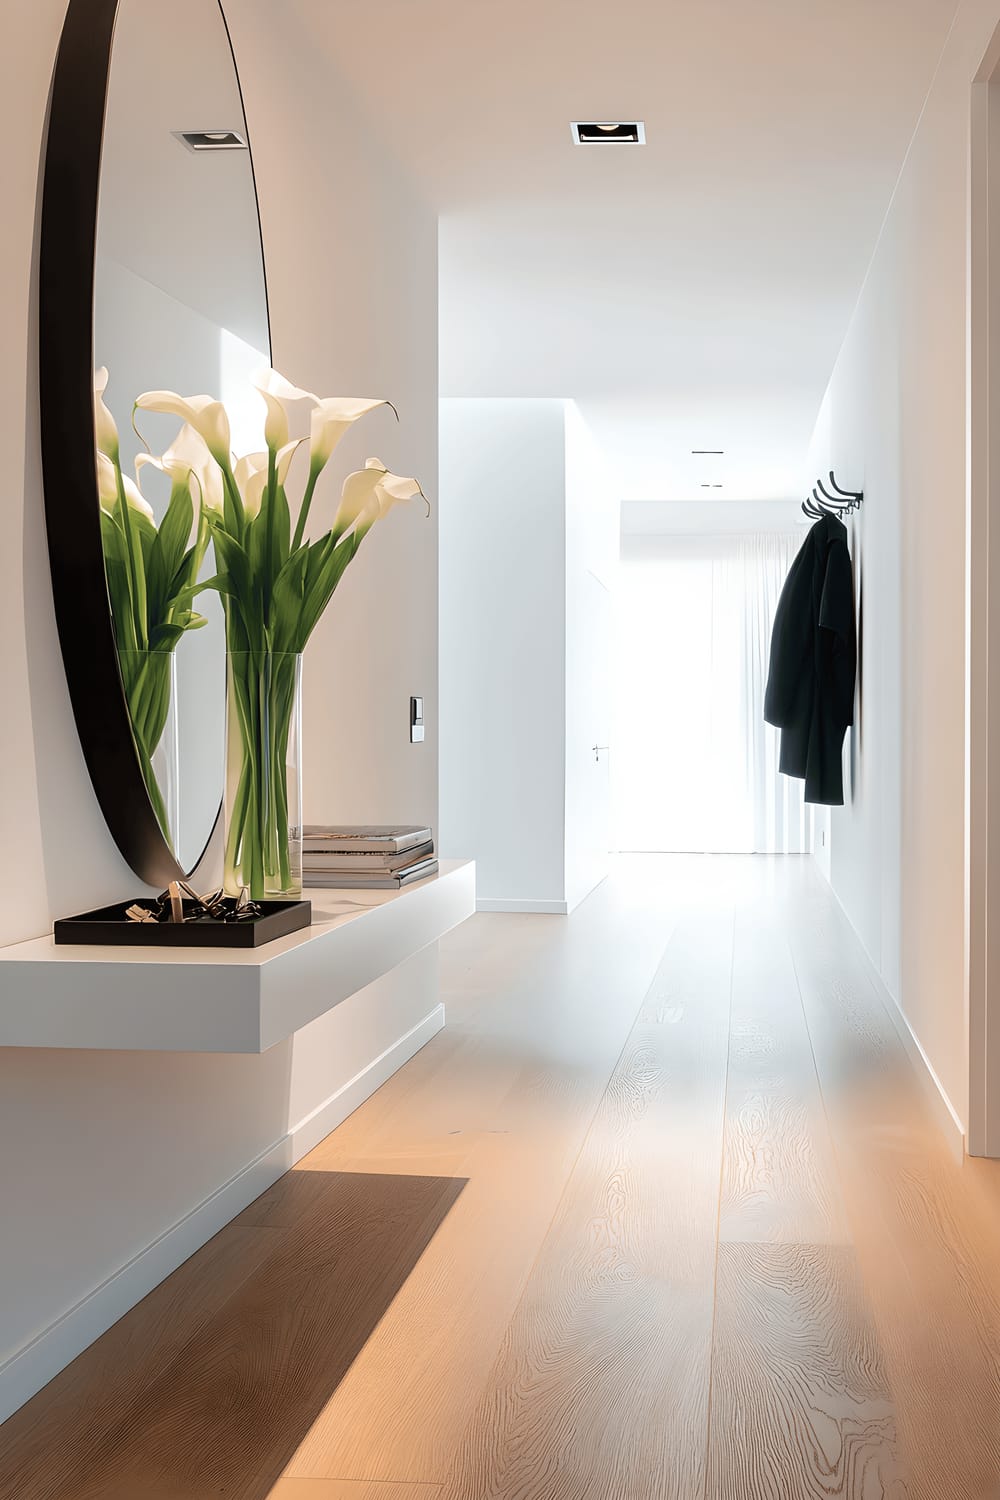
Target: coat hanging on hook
[(811, 679)]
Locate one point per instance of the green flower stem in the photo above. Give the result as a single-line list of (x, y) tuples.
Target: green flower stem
[(300, 524), (146, 678), (262, 697), (270, 501), (137, 580)]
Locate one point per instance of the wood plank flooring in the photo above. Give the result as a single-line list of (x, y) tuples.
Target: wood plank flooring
[(663, 1214)]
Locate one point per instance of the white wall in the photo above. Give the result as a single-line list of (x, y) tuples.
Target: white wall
[(642, 518), (103, 1153), (894, 423), (503, 646), (351, 254)]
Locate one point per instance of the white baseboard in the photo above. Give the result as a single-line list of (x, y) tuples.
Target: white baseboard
[(312, 1128), (545, 908), (945, 1114), (25, 1372)]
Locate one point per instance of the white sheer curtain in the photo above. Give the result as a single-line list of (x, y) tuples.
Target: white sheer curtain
[(693, 765)]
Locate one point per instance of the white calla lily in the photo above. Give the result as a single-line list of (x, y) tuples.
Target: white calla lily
[(394, 489), (251, 471), (369, 494), (358, 501), (331, 419), (207, 416), (278, 394), (284, 456), (136, 500), (107, 482), (188, 454), (107, 489), (104, 423)]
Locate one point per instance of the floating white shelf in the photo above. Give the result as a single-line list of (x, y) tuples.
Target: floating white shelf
[(206, 1000)]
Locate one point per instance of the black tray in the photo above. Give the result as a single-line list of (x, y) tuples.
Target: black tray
[(109, 924)]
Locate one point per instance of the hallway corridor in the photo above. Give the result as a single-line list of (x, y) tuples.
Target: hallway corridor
[(663, 1213)]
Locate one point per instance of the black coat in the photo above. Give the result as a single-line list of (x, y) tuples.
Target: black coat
[(810, 683)]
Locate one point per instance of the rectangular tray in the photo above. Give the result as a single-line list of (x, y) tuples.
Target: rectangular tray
[(109, 925)]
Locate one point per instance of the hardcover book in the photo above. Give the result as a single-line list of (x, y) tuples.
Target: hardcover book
[(361, 861), (329, 838), (383, 881)]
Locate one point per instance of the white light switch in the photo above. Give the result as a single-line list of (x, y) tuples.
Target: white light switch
[(416, 720)]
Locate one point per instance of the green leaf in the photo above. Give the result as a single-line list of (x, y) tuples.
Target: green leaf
[(282, 527), (175, 529), (235, 564), (255, 542), (184, 576), (165, 637), (320, 592), (111, 536), (221, 583), (286, 601)]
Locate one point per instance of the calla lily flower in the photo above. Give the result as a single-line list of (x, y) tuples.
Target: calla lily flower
[(104, 422), (331, 419), (207, 416), (250, 474), (278, 394), (358, 502), (370, 493), (107, 489), (393, 489), (187, 455)]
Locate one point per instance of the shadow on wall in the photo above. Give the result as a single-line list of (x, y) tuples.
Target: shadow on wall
[(211, 1384)]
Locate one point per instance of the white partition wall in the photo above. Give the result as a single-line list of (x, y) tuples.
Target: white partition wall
[(592, 546), (528, 540)]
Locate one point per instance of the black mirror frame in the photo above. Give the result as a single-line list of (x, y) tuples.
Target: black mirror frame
[(67, 266)]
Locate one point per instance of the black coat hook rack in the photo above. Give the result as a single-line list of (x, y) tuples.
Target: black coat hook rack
[(835, 501)]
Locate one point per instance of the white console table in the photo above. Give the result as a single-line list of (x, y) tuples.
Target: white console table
[(297, 1034), (225, 1000)]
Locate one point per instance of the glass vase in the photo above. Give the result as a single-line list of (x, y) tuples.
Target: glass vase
[(263, 802), (149, 679)]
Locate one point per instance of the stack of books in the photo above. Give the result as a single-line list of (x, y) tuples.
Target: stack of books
[(374, 859)]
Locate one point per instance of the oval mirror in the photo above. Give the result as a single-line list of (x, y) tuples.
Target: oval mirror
[(152, 276)]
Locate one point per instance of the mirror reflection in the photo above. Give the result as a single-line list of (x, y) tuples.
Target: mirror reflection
[(180, 305)]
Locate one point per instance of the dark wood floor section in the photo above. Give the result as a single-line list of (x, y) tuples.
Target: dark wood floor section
[(663, 1214)]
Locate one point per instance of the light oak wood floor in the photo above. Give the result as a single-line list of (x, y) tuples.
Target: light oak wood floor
[(664, 1212)]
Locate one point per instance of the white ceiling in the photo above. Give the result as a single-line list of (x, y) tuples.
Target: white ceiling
[(691, 293)]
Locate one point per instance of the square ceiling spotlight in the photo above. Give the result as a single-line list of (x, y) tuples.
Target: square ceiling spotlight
[(626, 132), (211, 140)]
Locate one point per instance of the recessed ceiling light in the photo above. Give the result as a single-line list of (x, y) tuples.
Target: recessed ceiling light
[(588, 132), (211, 140)]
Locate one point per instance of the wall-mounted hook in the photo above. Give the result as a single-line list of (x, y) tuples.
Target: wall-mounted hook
[(854, 495)]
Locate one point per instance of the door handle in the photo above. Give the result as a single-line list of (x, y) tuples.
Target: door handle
[(597, 750)]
